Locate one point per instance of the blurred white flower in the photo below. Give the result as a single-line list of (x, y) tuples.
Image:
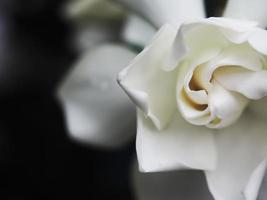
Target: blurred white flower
[(97, 111), (160, 12), (208, 71), (246, 9)]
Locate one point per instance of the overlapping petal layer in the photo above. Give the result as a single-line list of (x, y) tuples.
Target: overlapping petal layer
[(151, 88), (241, 162)]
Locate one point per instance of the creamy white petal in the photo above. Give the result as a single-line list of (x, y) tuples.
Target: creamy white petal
[(173, 12), (151, 88), (182, 184), (196, 42), (249, 10), (177, 146), (236, 31), (241, 149), (137, 31), (96, 110), (252, 84), (225, 105)]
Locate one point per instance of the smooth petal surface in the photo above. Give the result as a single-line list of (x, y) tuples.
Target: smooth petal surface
[(173, 12), (138, 31), (247, 9), (251, 84), (241, 151), (179, 145), (227, 106), (151, 88), (175, 185), (96, 110)]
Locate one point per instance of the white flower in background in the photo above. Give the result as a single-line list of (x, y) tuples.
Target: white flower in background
[(159, 12), (95, 22), (191, 89), (246, 9), (97, 112)]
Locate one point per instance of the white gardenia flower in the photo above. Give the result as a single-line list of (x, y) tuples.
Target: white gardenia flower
[(197, 90)]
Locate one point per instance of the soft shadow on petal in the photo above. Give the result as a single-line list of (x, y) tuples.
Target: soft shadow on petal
[(248, 10), (259, 107), (151, 88), (175, 185), (160, 12), (137, 31), (241, 150), (178, 145), (96, 110)]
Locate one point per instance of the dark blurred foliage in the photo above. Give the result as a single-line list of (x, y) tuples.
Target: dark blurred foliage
[(37, 159)]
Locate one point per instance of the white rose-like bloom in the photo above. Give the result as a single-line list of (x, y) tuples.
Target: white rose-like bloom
[(193, 89)]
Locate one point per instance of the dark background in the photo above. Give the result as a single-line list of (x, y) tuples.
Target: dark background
[(37, 159)]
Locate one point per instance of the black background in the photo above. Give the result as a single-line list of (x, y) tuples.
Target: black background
[(37, 159)]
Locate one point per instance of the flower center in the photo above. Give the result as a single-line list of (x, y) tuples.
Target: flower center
[(203, 100)]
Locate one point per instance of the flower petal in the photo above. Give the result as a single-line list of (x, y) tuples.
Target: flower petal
[(94, 105), (227, 106), (252, 84), (241, 149), (173, 12), (137, 31), (182, 184), (151, 88), (179, 145), (247, 9)]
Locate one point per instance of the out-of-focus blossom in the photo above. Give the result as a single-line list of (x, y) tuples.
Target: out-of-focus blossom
[(160, 12), (137, 31), (95, 22), (246, 9), (97, 111), (208, 70)]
